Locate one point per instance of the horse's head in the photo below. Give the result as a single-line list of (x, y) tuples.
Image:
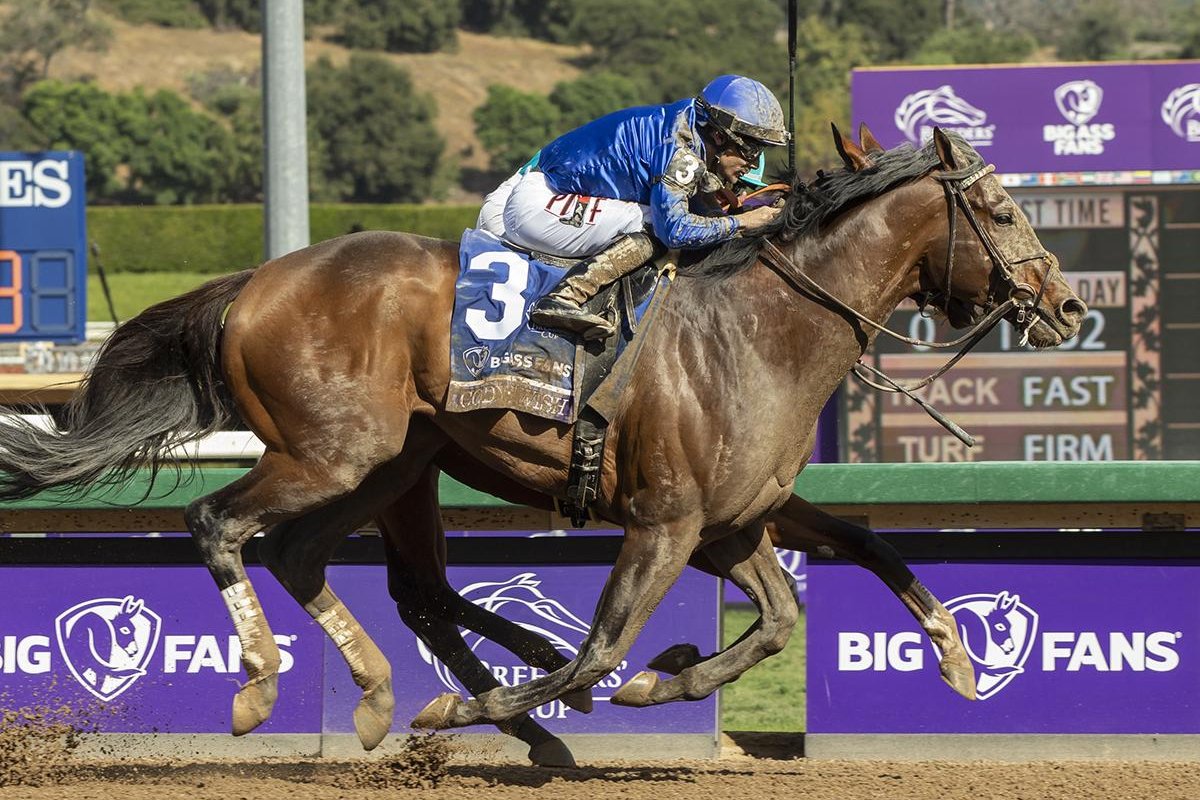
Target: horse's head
[(983, 252)]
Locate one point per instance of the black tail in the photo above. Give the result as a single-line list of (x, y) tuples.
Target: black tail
[(156, 384)]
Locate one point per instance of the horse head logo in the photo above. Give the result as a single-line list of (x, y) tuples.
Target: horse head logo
[(107, 643), (523, 602), (1078, 101), (476, 358), (930, 108), (998, 632), (1181, 110)]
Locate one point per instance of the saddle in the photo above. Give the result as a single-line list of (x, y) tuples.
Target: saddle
[(499, 361)]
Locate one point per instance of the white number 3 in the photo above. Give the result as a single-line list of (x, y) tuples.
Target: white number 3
[(687, 170), (506, 294)]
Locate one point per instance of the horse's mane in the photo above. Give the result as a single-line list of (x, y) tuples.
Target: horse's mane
[(812, 205)]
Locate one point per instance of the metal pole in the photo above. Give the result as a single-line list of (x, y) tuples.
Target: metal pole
[(285, 138), (792, 87)]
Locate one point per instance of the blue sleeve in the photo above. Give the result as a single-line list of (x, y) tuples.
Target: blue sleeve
[(677, 227)]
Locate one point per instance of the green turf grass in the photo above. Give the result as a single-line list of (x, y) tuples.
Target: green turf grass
[(134, 291), (770, 696)]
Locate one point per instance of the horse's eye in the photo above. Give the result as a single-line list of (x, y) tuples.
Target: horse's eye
[(1000, 626), (1004, 219), (124, 629)]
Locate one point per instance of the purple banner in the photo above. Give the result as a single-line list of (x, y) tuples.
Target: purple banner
[(557, 603), (155, 642), (1057, 648), (155, 645), (1070, 118)]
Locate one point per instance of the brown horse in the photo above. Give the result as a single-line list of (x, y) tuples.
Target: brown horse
[(337, 357)]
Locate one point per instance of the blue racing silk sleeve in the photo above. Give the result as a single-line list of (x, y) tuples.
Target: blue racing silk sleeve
[(679, 173)]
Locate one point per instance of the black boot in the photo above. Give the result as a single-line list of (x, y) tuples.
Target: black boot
[(562, 308)]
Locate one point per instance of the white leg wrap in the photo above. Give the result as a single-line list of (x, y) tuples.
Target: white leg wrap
[(245, 612), (345, 631)]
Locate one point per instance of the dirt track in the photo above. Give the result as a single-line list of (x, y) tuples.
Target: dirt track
[(732, 778)]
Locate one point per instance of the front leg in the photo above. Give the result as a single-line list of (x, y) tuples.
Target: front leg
[(650, 561), (748, 559)]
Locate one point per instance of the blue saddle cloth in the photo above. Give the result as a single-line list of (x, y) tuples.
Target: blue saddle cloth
[(497, 360)]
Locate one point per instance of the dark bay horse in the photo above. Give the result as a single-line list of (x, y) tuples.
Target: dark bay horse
[(337, 357)]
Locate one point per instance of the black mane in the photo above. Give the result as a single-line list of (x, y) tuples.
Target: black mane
[(810, 206)]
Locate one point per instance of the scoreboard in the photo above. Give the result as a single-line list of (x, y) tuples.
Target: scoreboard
[(43, 247), (1124, 388)]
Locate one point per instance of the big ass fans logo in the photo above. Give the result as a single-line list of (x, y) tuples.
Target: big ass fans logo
[(922, 111), (1000, 633), (1079, 102)]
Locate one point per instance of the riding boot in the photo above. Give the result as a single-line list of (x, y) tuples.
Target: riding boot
[(562, 308)]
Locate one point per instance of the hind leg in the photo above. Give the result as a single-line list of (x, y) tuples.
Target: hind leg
[(799, 525), (429, 606), (297, 551)]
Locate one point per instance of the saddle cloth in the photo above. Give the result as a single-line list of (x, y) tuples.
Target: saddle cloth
[(497, 360)]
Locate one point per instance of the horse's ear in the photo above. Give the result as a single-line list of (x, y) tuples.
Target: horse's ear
[(945, 150), (852, 155), (867, 139)]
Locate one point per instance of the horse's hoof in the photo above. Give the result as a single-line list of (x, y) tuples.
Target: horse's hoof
[(580, 700), (958, 673), (373, 716), (552, 753), (676, 658), (636, 691), (253, 703), (438, 714)]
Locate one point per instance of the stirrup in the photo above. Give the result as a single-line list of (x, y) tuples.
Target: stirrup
[(559, 314)]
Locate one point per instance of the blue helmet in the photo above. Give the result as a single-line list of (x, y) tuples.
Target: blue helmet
[(743, 107)]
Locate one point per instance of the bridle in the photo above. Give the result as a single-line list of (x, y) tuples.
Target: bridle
[(1021, 296)]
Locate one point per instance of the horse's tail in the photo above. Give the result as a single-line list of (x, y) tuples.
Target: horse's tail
[(155, 385)]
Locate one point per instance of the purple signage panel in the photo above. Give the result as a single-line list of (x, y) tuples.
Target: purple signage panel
[(557, 603), (153, 643), (1057, 648), (1069, 118)]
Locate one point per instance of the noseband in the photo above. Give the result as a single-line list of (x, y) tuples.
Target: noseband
[(1021, 296)]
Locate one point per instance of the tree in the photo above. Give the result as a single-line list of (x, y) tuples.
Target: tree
[(80, 116), (551, 20), (972, 44), (400, 26), (893, 29), (593, 95), (371, 135), (35, 31), (222, 14), (512, 125), (1100, 31), (672, 48)]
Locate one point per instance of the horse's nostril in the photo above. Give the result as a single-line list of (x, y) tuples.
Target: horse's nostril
[(1073, 310)]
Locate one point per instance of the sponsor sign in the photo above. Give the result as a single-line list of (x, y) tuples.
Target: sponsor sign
[(157, 646), (557, 603), (43, 247), (1057, 648), (1045, 118), (156, 642)]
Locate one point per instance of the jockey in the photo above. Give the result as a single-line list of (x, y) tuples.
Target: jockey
[(594, 191)]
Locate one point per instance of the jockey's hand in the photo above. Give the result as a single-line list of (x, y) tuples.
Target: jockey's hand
[(757, 218)]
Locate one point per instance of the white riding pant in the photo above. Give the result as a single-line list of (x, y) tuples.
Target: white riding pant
[(528, 213)]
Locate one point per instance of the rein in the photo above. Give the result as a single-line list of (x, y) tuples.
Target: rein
[(1020, 296)]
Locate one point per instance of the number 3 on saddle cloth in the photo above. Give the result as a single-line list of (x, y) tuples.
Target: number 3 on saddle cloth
[(499, 361)]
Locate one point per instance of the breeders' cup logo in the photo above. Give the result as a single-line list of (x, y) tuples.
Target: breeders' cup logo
[(522, 600), (476, 359), (1181, 111), (998, 632), (107, 643), (920, 112), (1079, 102)]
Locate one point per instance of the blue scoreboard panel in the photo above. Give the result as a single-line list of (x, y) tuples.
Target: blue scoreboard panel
[(43, 247)]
